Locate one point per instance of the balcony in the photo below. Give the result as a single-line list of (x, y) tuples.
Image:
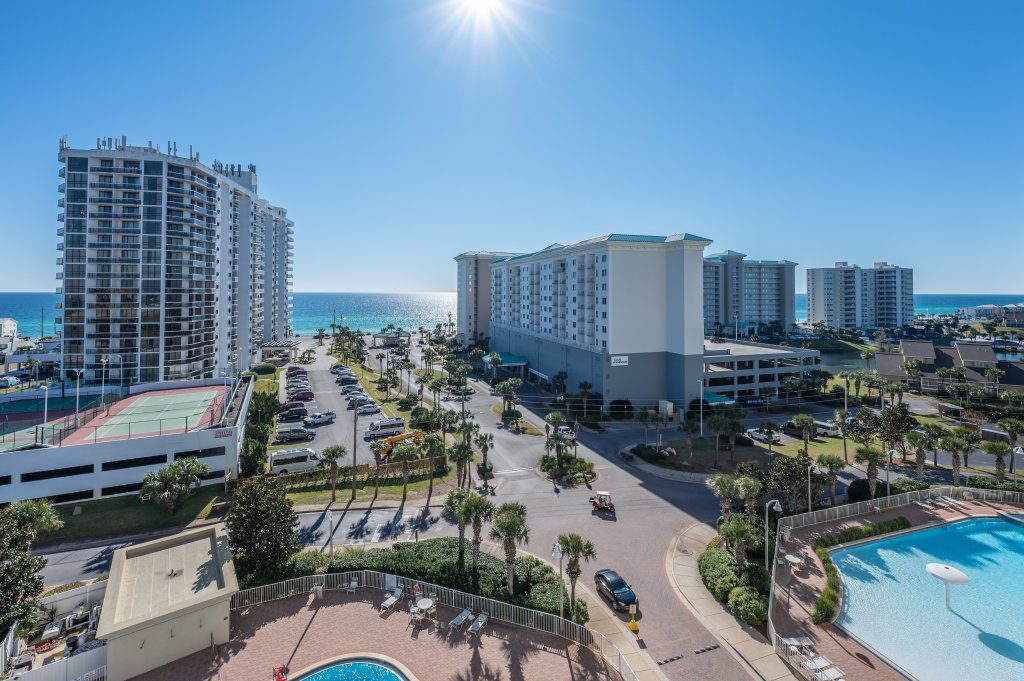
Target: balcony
[(60, 262), (115, 230), (109, 245), (116, 185), (60, 202), (60, 217), (103, 199), (105, 215), (60, 232), (60, 173)]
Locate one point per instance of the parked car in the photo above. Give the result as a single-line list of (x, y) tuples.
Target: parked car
[(319, 419), (827, 428), (285, 461), (9, 381), (613, 587), (289, 405), (369, 409), (341, 367), (790, 428), (302, 396), (348, 389), (351, 395), (294, 433), (567, 432), (346, 380), (293, 414), (361, 401), (755, 434)]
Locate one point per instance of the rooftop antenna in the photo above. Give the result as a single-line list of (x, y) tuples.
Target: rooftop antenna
[(124, 141)]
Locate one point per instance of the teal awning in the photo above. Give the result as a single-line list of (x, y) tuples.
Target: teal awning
[(507, 359), (714, 399)]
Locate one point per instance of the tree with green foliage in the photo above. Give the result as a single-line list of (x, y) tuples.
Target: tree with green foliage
[(575, 549), (173, 484), (733, 428), (509, 529), (833, 465), (894, 423), (433, 447), (21, 580), (36, 515), (866, 355), (253, 457), (453, 508), (405, 454), (936, 432), (999, 450), (585, 388), (805, 422), (920, 442), (841, 419), (872, 458), (689, 427), (645, 417), (725, 488), (1014, 429), (477, 510), (769, 429), (718, 425), (461, 454), (330, 461), (955, 444), (971, 439), (748, 488), (739, 534), (262, 524)]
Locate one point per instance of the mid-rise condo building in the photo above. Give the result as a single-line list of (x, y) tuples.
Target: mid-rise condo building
[(849, 297), (741, 295), (621, 312), (473, 312), (169, 268)]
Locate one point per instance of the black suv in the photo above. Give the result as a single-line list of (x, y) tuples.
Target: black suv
[(615, 589)]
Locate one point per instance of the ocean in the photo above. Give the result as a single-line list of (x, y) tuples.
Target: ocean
[(371, 311)]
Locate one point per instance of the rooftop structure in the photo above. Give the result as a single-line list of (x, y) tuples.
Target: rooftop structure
[(964, 361), (744, 369), (173, 593)]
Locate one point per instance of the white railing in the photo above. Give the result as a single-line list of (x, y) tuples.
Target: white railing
[(826, 515), (496, 610), (88, 666)]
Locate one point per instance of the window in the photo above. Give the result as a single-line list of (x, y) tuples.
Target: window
[(78, 164), (71, 496), (5, 479), (134, 463), (154, 167), (121, 489), (200, 453)]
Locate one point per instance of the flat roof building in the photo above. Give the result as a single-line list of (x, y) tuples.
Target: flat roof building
[(473, 287), (167, 599), (849, 297), (748, 294), (745, 369)]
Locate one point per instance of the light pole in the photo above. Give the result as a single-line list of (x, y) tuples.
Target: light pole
[(1017, 451), (888, 465), (78, 392), (120, 371), (810, 469), (103, 379), (46, 404), (700, 399), (556, 554), (330, 530), (773, 505)]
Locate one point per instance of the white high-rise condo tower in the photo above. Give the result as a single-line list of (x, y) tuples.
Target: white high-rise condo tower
[(848, 297), (169, 268)]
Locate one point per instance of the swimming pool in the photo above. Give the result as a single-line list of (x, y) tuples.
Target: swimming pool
[(892, 605), (356, 670)]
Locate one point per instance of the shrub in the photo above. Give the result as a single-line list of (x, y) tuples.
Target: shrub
[(754, 576), (724, 585), (620, 409), (648, 453), (858, 489), (408, 401), (744, 441), (749, 605), (264, 369), (825, 606), (717, 569), (984, 482)]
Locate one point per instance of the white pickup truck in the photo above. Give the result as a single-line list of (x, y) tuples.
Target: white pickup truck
[(320, 419)]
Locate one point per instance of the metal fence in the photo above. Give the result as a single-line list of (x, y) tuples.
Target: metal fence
[(864, 508), (496, 610)]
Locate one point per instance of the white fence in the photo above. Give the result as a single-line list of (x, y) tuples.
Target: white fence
[(88, 666), (863, 508), (66, 601), (496, 610)]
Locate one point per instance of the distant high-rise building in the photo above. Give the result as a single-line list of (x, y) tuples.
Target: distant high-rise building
[(748, 293), (473, 307), (170, 268), (849, 297)]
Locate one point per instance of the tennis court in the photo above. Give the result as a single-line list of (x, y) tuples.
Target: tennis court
[(156, 413)]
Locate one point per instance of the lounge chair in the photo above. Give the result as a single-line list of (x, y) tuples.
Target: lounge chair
[(392, 599), (818, 663), (831, 674), (796, 643), (953, 502), (461, 619), (478, 624), (352, 586)]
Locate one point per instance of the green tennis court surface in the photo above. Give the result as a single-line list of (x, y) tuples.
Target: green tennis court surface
[(157, 413)]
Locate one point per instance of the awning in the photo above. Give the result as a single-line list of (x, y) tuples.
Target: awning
[(716, 399), (543, 377), (507, 359)]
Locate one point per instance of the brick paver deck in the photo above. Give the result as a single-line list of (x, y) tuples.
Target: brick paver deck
[(299, 632), (798, 588)]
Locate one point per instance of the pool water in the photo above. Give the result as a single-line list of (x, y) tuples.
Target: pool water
[(361, 670), (891, 604)]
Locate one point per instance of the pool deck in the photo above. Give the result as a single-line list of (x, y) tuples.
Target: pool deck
[(300, 632), (798, 588)]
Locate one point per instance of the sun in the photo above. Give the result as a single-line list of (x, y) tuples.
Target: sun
[(484, 10)]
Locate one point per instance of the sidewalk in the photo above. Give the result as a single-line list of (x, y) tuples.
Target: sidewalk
[(664, 473), (746, 641)]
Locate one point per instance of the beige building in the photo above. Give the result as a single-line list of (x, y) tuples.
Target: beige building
[(166, 599), (473, 311)]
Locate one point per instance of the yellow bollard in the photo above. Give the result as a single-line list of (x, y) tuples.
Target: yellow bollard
[(633, 626)]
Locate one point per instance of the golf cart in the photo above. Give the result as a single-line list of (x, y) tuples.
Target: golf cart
[(602, 501)]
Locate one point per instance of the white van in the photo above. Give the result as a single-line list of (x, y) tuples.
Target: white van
[(9, 381), (384, 428), (284, 461), (827, 428)]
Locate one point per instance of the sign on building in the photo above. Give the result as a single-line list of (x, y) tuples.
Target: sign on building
[(620, 360)]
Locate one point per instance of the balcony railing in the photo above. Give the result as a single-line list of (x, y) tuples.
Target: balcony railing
[(104, 199), (115, 185), (112, 169)]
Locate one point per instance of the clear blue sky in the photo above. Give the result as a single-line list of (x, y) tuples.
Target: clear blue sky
[(399, 134)]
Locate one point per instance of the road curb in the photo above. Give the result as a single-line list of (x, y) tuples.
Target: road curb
[(658, 472)]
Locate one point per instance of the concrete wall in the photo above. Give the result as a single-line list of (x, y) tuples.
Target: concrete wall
[(141, 650)]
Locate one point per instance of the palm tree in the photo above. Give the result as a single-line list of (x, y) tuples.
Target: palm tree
[(993, 375), (558, 382), (769, 428), (404, 454), (575, 548), (832, 464), (330, 460), (872, 458), (842, 421), (866, 355), (748, 489), (174, 483), (733, 427), (377, 449), (972, 439), (556, 420), (460, 454), (955, 444), (35, 515), (920, 442), (805, 422), (738, 534), (936, 432), (999, 450), (725, 488), (453, 507), (644, 417), (585, 389), (718, 425), (484, 442), (477, 510), (433, 447), (1014, 429), (494, 360), (690, 427), (509, 529)]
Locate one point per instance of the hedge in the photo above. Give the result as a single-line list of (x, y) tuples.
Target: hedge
[(858, 489), (749, 605), (535, 583), (744, 594), (826, 604), (263, 369), (985, 482)]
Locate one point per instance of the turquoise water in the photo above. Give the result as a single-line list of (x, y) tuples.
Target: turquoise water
[(356, 671), (894, 606), (935, 303)]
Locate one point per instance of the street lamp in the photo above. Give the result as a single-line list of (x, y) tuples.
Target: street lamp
[(700, 399), (1017, 451), (773, 505), (46, 404), (120, 371), (810, 469), (556, 554), (888, 465), (103, 379), (78, 392)]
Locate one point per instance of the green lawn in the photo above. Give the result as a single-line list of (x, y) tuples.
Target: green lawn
[(835, 345), (312, 494), (524, 425), (127, 515), (703, 460)]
